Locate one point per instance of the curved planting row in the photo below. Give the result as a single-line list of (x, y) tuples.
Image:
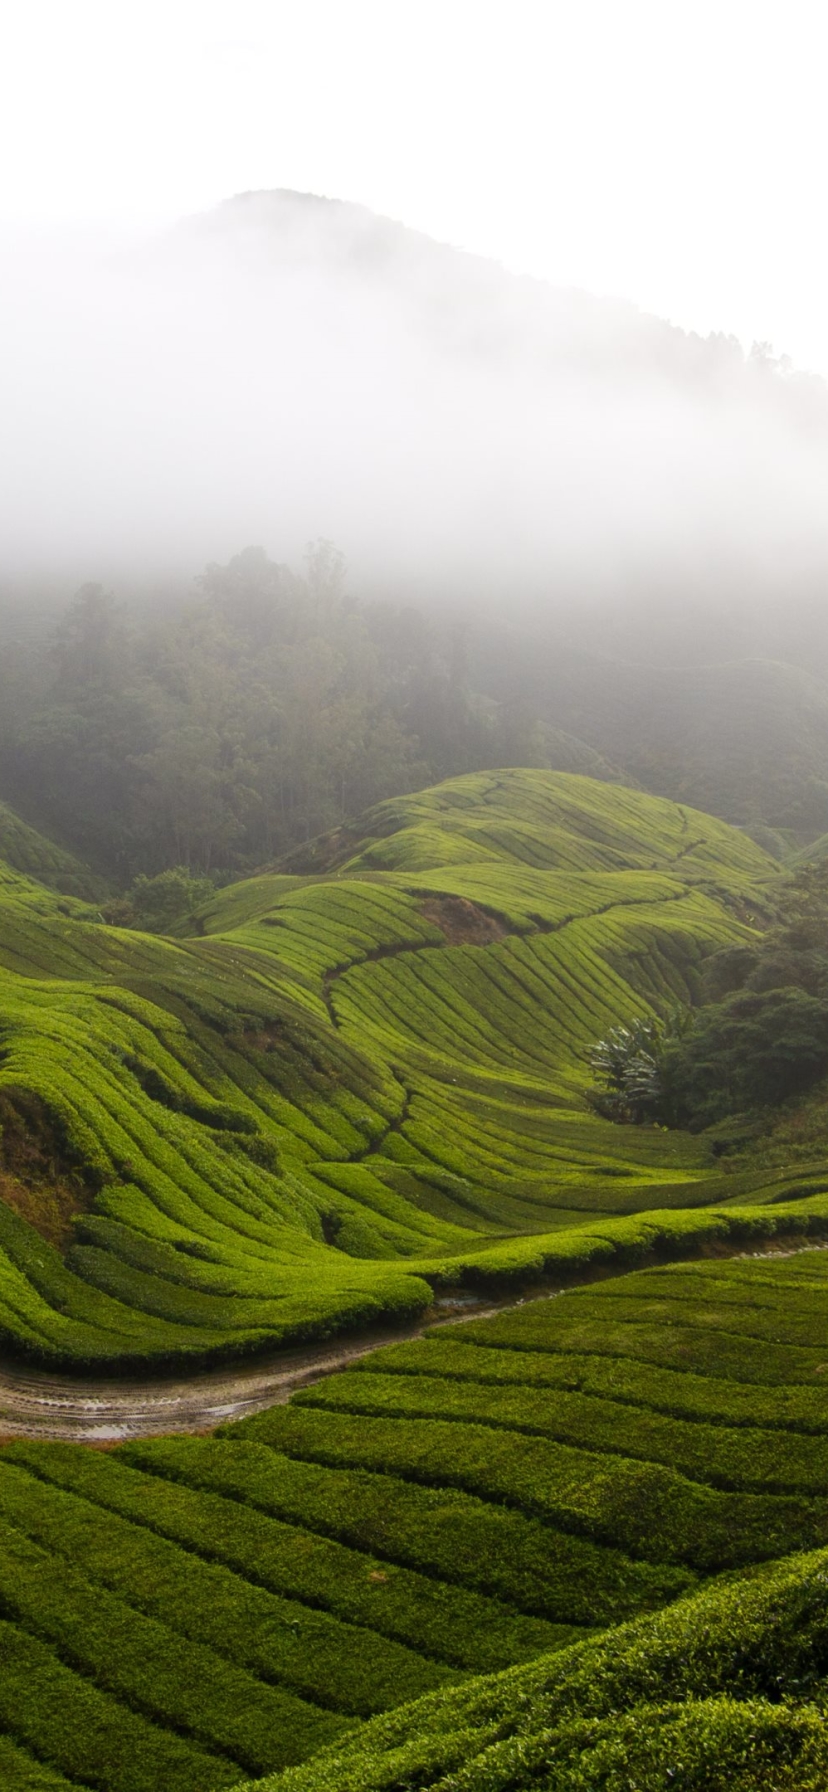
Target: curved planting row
[(348, 1086), (718, 1693), (181, 1611)]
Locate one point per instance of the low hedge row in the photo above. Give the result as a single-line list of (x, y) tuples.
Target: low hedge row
[(649, 1510), (746, 1459), (719, 1355), (792, 1287), (721, 1744), (192, 1691), (454, 1627), (623, 1243), (721, 1692), (443, 1531), (88, 1735), (679, 1392), (21, 1772), (746, 1282), (764, 1324), (322, 1659)]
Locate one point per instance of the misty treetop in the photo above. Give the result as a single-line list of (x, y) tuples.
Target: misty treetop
[(232, 726), (219, 726)]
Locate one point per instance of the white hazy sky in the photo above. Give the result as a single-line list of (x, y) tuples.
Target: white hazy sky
[(669, 151)]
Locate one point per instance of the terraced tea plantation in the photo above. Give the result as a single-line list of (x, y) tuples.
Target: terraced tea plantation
[(355, 1086), (719, 1693), (358, 1080), (525, 1488)]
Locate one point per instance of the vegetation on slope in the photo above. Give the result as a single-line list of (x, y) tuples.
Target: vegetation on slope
[(244, 718), (723, 1693), (608, 1411), (729, 714), (269, 705), (353, 1086), (515, 1493), (761, 1043), (24, 850)]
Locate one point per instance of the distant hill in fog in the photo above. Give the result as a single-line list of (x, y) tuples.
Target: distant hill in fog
[(475, 308), (614, 530), (745, 739), (287, 366)]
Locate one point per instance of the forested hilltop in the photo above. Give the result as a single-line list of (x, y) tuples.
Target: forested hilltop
[(265, 705), (244, 719)]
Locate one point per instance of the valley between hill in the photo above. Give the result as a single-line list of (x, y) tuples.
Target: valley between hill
[(240, 1156), (363, 1080)]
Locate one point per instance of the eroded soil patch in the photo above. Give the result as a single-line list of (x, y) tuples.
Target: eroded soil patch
[(462, 922), (39, 1177)]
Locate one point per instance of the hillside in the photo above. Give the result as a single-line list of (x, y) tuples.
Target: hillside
[(719, 1694), (604, 1495), (24, 850), (474, 306), (355, 1091), (742, 736), (358, 1082)]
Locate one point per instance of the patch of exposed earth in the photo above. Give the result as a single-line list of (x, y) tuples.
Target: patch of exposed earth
[(44, 1404), (39, 1403)]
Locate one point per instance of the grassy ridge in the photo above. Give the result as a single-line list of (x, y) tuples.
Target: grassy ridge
[(24, 850), (356, 1083)]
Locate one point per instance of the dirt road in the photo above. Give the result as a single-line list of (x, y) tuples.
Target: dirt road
[(38, 1403)]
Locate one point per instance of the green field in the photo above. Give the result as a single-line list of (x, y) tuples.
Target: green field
[(717, 1695), (361, 1079), (531, 1487)]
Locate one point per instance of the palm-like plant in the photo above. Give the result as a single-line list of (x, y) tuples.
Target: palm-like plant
[(629, 1063)]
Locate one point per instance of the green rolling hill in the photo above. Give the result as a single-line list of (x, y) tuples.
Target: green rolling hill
[(24, 850), (363, 1077), (581, 1539), (718, 1695)]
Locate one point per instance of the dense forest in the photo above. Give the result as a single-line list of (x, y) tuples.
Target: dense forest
[(217, 726), (237, 723)]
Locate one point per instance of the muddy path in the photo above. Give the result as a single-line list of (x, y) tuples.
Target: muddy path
[(37, 1403), (41, 1403)]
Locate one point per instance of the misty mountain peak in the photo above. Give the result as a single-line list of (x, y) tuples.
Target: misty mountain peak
[(289, 366)]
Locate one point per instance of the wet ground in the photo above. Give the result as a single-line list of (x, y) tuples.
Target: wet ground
[(42, 1404)]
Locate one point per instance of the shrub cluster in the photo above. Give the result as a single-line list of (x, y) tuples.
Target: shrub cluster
[(721, 1692)]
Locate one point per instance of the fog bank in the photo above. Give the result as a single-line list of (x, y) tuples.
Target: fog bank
[(287, 368)]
